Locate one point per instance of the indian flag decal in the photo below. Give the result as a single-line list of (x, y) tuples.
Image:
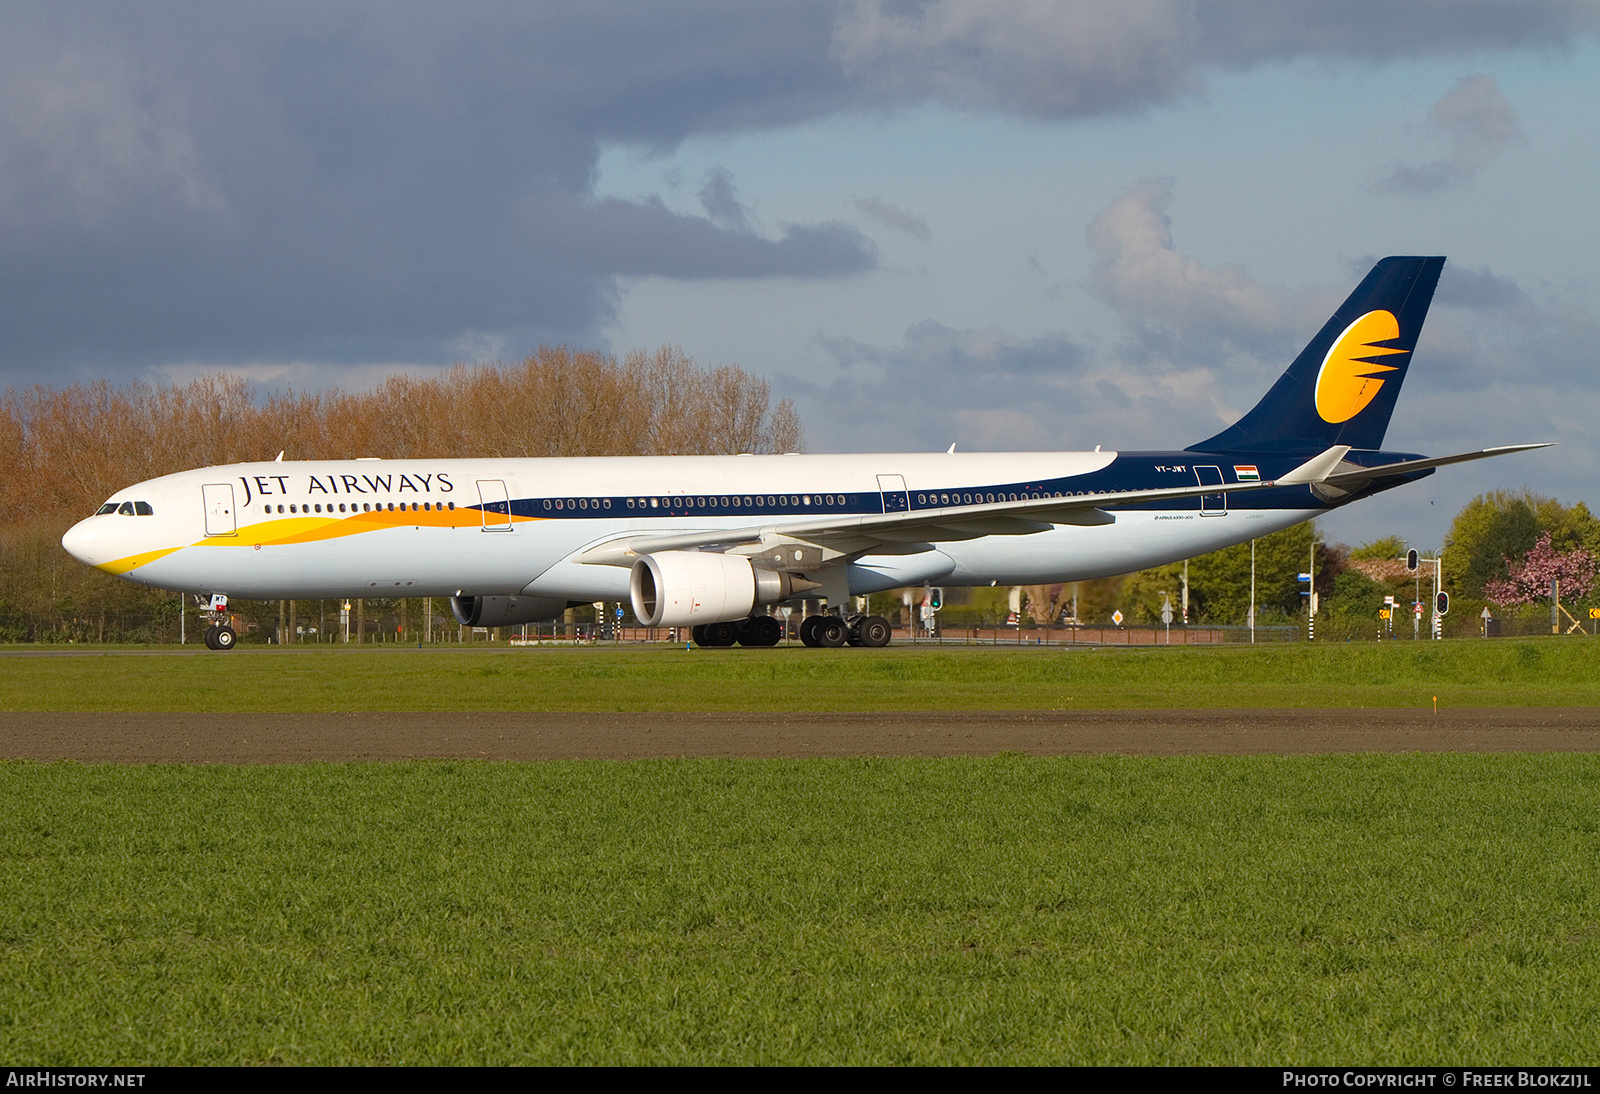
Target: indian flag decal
[(1246, 472)]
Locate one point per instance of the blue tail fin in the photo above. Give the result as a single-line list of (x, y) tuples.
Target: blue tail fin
[(1342, 387)]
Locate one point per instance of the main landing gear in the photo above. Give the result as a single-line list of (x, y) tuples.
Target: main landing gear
[(832, 631), (829, 631), (758, 630)]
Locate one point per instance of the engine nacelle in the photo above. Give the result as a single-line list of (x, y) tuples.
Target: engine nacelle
[(686, 588), (505, 611)]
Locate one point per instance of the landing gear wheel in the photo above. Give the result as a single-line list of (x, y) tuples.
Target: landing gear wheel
[(221, 638), (873, 631), (831, 632), (808, 630), (698, 633), (211, 638), (720, 634), (760, 630)]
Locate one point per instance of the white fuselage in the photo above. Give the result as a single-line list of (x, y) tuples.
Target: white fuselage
[(355, 528)]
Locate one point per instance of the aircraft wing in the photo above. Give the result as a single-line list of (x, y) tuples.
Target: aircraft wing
[(918, 529)]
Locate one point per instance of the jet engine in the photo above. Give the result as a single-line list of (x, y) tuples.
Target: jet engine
[(686, 588), (506, 611)]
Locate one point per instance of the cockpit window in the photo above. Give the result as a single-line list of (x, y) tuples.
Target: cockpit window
[(142, 508), (125, 509), (108, 507)]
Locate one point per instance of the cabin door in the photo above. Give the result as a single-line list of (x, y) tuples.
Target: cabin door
[(893, 489), (1211, 505), (221, 520), (496, 505)]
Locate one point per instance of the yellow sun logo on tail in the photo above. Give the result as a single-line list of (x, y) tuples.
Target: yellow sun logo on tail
[(1351, 375)]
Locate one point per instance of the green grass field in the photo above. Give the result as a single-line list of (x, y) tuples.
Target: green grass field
[(1377, 909), (1315, 910), (1463, 673)]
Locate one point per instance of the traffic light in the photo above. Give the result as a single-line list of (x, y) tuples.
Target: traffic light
[(1442, 603), (1411, 561), (936, 599)]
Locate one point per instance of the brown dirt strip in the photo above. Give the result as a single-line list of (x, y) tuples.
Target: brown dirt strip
[(299, 738)]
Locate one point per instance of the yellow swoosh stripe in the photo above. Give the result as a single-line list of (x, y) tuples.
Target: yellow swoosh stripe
[(133, 562), (276, 533)]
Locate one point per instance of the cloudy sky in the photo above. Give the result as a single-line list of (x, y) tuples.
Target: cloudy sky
[(1007, 224)]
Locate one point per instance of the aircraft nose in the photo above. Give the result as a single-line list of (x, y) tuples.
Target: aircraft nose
[(82, 542)]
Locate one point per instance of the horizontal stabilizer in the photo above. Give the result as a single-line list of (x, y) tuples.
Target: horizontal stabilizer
[(1355, 476)]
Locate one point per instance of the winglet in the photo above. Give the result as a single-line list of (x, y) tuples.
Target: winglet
[(1316, 468)]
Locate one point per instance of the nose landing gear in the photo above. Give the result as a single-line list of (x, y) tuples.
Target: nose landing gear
[(220, 635)]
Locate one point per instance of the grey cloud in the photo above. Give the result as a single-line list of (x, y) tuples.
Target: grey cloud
[(364, 181), (1478, 288), (990, 390), (892, 216), (1046, 59), (1497, 364), (352, 182), (1478, 122), (722, 205), (625, 237), (1101, 56), (1171, 303), (1487, 330), (1181, 317)]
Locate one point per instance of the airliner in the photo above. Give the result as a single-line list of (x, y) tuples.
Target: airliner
[(713, 543)]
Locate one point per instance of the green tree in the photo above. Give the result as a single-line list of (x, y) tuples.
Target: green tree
[(1142, 593), (1355, 596), (1219, 583), (1387, 547), (1496, 529)]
